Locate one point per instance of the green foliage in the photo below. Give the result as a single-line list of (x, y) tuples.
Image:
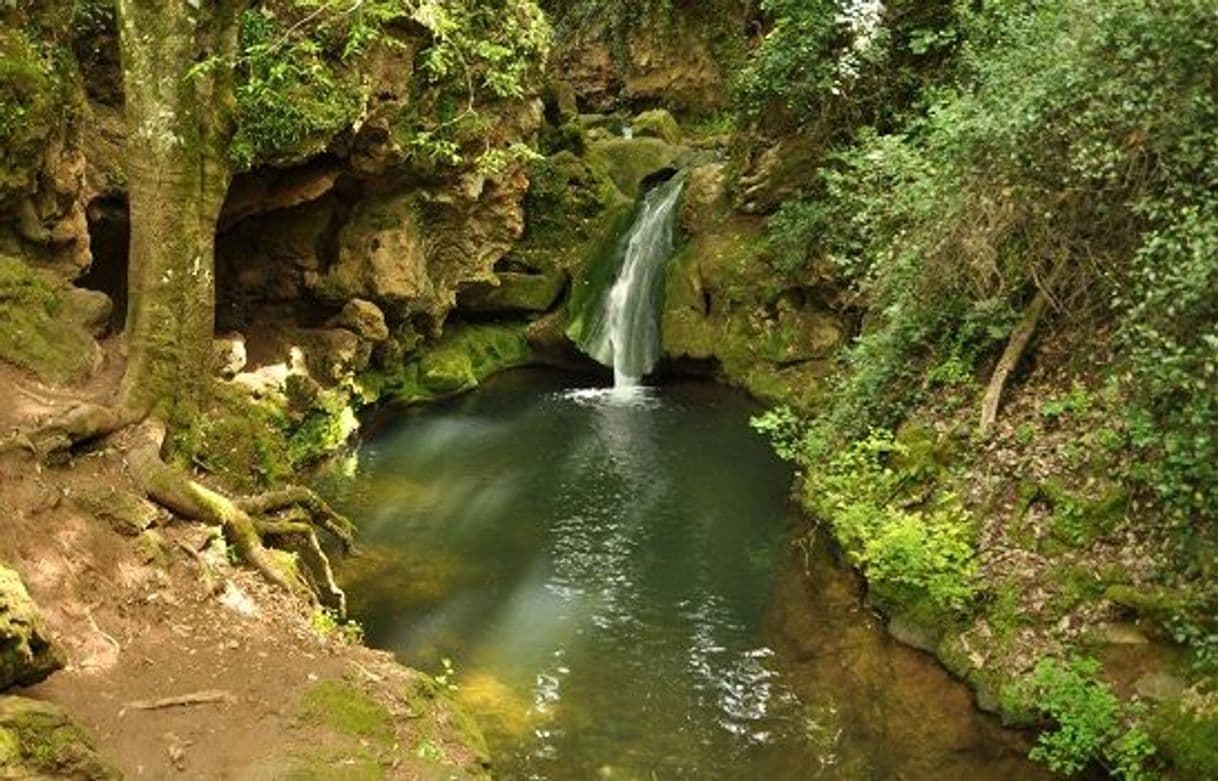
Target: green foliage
[(837, 63), (908, 553), (785, 430), (1089, 722), (1077, 137), (289, 95), (302, 73), (1171, 333), (31, 104)]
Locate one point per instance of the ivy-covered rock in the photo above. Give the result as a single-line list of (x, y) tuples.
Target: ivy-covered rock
[(28, 654)]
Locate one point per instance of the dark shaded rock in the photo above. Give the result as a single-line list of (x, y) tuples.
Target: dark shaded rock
[(332, 353)]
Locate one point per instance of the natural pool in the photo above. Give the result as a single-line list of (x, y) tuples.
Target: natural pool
[(614, 583)]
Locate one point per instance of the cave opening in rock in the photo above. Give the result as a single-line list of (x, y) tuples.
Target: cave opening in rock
[(109, 241)]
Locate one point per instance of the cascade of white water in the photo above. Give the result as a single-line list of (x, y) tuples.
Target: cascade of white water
[(627, 337)]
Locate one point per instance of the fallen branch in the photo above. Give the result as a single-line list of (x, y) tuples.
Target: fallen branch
[(1016, 345), (209, 697)]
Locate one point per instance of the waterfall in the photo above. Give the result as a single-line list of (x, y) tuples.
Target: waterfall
[(627, 334)]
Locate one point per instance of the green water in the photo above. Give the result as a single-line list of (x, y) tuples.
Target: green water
[(614, 582)]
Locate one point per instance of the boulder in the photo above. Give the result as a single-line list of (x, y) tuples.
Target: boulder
[(27, 652), (229, 355), (657, 123), (333, 353), (39, 741), (35, 333), (89, 309), (630, 161), (365, 319)]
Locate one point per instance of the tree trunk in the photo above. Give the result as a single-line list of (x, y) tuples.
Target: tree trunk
[(178, 127)]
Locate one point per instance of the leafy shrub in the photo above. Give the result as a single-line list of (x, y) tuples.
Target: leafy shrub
[(1089, 723), (907, 554)]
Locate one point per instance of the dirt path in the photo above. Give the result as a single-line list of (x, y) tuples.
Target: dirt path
[(143, 618)]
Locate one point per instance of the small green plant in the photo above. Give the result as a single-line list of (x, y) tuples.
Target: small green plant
[(1090, 724), (447, 677), (327, 623), (427, 750), (1076, 403), (785, 430)]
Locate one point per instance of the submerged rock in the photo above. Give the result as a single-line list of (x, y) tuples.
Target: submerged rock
[(39, 741), (27, 652)]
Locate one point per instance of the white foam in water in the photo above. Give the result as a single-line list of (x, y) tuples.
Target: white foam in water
[(624, 396)]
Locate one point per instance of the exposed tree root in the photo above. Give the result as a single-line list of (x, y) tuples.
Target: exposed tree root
[(290, 516), (173, 489), (79, 423)]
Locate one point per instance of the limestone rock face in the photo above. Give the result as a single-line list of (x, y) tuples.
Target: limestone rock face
[(38, 740), (409, 252), (27, 652)]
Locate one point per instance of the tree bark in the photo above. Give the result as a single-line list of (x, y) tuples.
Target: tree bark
[(178, 127)]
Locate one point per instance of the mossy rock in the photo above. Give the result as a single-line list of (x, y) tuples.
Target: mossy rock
[(462, 358), (340, 706), (36, 333), (38, 740), (516, 292), (657, 123), (27, 652), (630, 161)]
